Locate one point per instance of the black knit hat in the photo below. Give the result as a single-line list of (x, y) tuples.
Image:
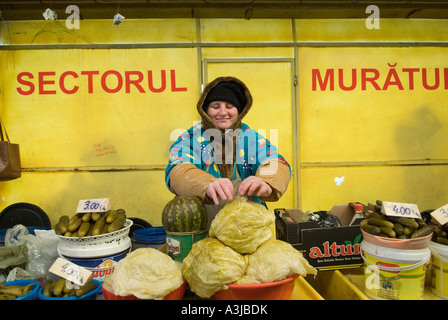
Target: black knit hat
[(230, 92)]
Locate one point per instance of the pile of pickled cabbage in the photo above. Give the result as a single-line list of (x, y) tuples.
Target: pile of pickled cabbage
[(241, 249), (146, 273)]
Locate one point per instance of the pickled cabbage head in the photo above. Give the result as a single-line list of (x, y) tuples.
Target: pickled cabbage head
[(210, 266), (242, 225), (146, 273), (275, 260)]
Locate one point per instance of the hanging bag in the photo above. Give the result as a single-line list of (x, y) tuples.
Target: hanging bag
[(9, 157)]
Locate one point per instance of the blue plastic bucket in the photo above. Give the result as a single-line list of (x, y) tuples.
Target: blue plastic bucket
[(152, 237), (91, 295), (30, 295)]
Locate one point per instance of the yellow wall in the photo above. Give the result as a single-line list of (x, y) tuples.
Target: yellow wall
[(80, 139)]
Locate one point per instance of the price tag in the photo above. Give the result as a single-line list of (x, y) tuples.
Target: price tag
[(70, 271), (407, 210), (93, 205), (441, 214)]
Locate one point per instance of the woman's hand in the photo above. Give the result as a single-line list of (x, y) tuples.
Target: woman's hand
[(221, 188), (254, 186)]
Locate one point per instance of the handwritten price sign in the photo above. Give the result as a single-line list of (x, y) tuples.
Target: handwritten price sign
[(70, 271), (93, 205), (441, 214), (395, 209)]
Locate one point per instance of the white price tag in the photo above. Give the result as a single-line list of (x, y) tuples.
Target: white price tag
[(395, 209), (441, 215), (93, 205), (70, 271)]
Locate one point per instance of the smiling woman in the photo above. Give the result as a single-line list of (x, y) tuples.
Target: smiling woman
[(221, 157)]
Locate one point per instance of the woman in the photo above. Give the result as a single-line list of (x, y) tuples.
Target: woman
[(221, 157)]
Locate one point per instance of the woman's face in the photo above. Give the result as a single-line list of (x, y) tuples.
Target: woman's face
[(223, 114)]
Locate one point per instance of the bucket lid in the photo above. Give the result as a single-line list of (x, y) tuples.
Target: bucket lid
[(102, 250), (440, 248), (153, 235)]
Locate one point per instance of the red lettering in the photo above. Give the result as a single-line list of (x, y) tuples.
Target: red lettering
[(90, 79), (436, 80), (119, 81), (173, 82), (62, 82), (315, 253), (365, 79), (346, 250), (151, 81), (136, 82), (388, 82), (411, 76), (357, 248), (326, 249), (334, 249), (445, 72), (43, 82), (25, 83), (111, 81), (316, 77), (341, 81)]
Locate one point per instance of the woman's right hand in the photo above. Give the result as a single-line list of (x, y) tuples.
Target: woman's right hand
[(221, 188)]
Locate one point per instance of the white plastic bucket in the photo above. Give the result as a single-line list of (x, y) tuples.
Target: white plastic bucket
[(394, 274), (100, 259), (439, 269)]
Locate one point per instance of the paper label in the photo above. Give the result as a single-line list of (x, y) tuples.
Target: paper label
[(70, 271), (407, 210), (441, 215), (93, 205)]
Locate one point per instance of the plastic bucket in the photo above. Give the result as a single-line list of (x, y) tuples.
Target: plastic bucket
[(153, 237), (439, 269), (91, 295), (24, 282), (394, 274), (100, 259), (178, 244)]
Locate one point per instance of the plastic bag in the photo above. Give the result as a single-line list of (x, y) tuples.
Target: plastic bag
[(39, 252)]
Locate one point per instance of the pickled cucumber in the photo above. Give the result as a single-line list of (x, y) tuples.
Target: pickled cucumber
[(84, 228), (86, 217), (117, 224), (371, 229), (113, 214), (422, 232), (74, 225), (85, 288), (99, 224), (381, 222), (58, 287), (47, 287), (63, 223)]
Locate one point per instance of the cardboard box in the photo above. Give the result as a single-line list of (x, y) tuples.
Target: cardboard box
[(324, 248)]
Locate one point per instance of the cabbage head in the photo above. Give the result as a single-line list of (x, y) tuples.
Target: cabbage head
[(242, 225), (210, 266)]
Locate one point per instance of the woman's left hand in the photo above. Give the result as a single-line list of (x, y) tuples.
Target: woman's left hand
[(254, 186)]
